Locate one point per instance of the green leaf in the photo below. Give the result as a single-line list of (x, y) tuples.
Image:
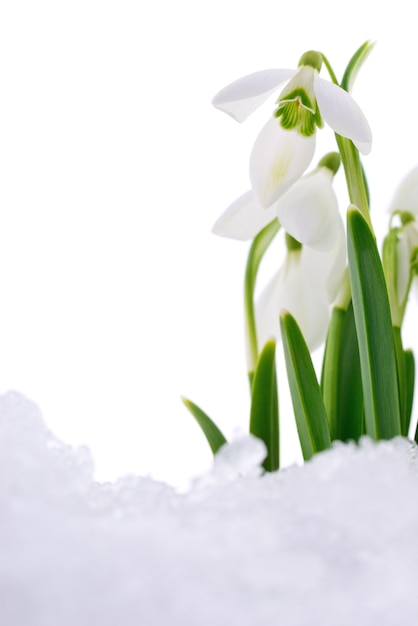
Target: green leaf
[(402, 380), (330, 369), (341, 377), (354, 65), (350, 398), (310, 414), (374, 330), (410, 383), (264, 417), (212, 433)]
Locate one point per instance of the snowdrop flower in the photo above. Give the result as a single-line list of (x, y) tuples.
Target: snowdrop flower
[(407, 248), (400, 261), (406, 195), (285, 146), (305, 285), (308, 211), (400, 247)]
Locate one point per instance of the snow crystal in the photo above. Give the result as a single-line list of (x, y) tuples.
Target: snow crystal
[(331, 543)]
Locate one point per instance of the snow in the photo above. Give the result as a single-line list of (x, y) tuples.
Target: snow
[(331, 543)]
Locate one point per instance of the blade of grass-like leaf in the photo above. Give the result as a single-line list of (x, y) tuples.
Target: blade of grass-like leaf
[(310, 414), (330, 369), (212, 433), (402, 381), (264, 417), (374, 330), (354, 65), (350, 408), (410, 383), (341, 377)]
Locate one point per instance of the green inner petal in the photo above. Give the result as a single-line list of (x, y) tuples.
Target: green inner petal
[(295, 116), (297, 106), (299, 94)]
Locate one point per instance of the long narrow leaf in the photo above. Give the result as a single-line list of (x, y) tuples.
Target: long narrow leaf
[(350, 397), (310, 414), (330, 370), (212, 433), (410, 383), (354, 65), (374, 330), (341, 377), (402, 380), (264, 418)]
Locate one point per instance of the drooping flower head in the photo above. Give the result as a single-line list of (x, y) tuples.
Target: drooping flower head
[(308, 211), (406, 194), (297, 105), (307, 281), (285, 146), (400, 247), (305, 285)]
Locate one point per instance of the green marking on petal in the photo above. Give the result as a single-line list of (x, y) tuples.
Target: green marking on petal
[(297, 107), (289, 114), (300, 95), (279, 170), (294, 116)]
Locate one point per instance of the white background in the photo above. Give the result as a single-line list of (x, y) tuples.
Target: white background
[(115, 298)]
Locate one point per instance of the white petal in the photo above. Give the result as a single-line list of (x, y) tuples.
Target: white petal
[(244, 218), (343, 114), (407, 243), (291, 289), (278, 159), (403, 266), (309, 210), (337, 264), (245, 95), (267, 311), (406, 196), (325, 269)]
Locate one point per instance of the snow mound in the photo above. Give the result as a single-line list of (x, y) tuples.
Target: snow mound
[(331, 544)]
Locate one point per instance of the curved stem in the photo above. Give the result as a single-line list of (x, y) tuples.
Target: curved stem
[(258, 247), (356, 183)]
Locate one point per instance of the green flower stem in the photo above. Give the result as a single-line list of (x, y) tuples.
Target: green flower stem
[(329, 68), (402, 380), (257, 250), (356, 182), (390, 262)]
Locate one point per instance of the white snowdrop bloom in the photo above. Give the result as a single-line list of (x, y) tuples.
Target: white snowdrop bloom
[(406, 194), (285, 146), (407, 247), (308, 211), (306, 285), (404, 206)]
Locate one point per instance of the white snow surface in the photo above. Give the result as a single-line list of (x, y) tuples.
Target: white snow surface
[(332, 543)]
